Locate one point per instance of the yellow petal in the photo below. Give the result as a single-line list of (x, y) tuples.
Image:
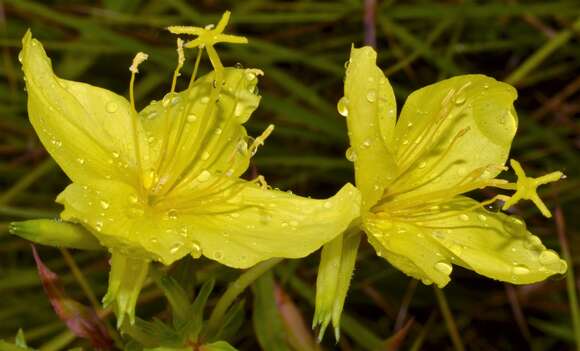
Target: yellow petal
[(268, 223), (453, 134), (234, 222), (426, 244), (188, 134), (86, 129), (370, 109)]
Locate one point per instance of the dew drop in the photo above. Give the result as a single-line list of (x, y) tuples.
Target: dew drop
[(371, 96), (218, 131), (175, 247), (443, 267), (482, 217), (409, 125), (133, 199), (342, 106), (56, 142), (149, 178), (81, 161), (548, 257), (351, 154), (218, 255), (327, 204), (99, 226), (191, 118), (204, 100), (203, 176), (426, 281), (422, 165), (460, 100), (464, 217), (172, 214), (20, 55), (111, 107), (205, 155), (104, 204), (195, 249), (515, 226), (405, 142), (116, 155), (520, 270), (365, 144)]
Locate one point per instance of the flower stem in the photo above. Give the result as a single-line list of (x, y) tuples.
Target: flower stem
[(449, 321), (234, 290)]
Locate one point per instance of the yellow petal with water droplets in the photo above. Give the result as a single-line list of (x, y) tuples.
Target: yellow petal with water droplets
[(258, 223), (234, 222), (426, 243), (188, 134), (453, 134), (370, 109), (86, 129)]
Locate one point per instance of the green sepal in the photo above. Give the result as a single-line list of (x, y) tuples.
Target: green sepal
[(337, 262), (126, 279), (55, 233)]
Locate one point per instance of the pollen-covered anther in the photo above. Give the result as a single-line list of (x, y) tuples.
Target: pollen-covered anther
[(259, 141), (137, 60), (526, 188)]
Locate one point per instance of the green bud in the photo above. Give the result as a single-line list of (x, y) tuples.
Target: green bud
[(55, 233)]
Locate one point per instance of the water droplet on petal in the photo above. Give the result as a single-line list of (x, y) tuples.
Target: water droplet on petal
[(175, 247), (365, 144), (351, 154), (205, 155), (250, 75), (104, 204), (81, 161), (218, 255), (460, 100), (327, 204), (443, 267), (464, 217), (520, 270), (195, 249), (515, 226), (172, 214), (99, 226), (371, 96), (203, 176), (422, 165), (342, 106), (205, 100), (111, 107), (548, 257), (191, 118)]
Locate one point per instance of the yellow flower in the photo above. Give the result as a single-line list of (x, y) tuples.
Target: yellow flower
[(451, 137), (164, 182)]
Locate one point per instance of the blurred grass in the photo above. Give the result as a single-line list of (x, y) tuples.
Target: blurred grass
[(302, 46)]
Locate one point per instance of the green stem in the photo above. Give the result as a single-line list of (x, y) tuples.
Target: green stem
[(542, 53), (449, 321), (25, 182), (234, 290), (570, 277)]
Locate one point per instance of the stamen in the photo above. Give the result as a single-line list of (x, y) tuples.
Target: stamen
[(526, 188), (260, 139), (134, 68), (180, 61)]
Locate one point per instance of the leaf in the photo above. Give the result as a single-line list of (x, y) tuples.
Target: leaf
[(268, 324)]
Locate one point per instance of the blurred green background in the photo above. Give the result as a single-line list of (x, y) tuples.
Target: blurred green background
[(302, 47)]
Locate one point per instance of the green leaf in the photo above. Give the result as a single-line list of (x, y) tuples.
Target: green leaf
[(268, 324)]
